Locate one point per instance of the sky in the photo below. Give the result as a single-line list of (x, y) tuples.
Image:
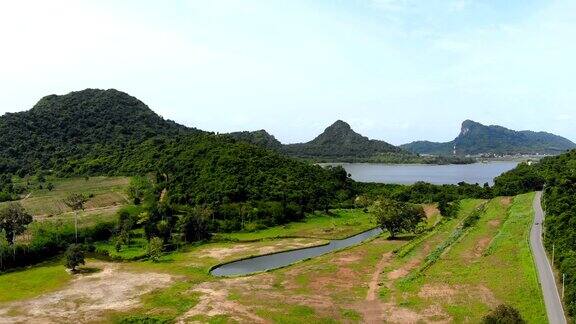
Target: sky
[(396, 70)]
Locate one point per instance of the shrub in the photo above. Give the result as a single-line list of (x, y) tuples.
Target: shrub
[(74, 256), (503, 314), (155, 247)]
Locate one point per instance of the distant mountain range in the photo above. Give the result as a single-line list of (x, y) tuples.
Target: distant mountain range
[(340, 143), (478, 139)]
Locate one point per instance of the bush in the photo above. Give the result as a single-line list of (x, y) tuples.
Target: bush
[(155, 247), (49, 239), (74, 257), (503, 314)]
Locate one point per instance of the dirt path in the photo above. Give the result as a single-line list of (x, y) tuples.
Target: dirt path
[(372, 307), (215, 302), (88, 297)]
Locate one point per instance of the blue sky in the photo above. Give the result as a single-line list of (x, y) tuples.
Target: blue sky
[(396, 70)]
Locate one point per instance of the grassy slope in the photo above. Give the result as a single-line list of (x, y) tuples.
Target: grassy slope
[(491, 264)]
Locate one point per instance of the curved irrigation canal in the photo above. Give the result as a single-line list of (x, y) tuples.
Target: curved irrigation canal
[(282, 259)]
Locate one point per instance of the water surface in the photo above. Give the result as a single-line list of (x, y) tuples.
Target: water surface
[(281, 259), (437, 174)]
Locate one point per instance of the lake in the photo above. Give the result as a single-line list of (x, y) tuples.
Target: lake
[(437, 174)]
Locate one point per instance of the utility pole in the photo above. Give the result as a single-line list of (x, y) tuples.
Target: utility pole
[(552, 256), (563, 280)]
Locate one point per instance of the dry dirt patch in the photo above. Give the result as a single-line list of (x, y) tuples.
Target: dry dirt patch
[(88, 298), (237, 249), (430, 210)]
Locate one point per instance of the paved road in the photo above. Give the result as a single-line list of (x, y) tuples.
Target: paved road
[(545, 274)]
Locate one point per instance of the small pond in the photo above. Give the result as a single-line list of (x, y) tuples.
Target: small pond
[(281, 259)]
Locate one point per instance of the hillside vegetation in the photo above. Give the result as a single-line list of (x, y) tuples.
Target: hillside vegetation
[(476, 139), (62, 128), (107, 132), (557, 175)]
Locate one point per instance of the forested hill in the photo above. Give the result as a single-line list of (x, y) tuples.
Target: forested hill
[(475, 138), (60, 128), (107, 132), (340, 140)]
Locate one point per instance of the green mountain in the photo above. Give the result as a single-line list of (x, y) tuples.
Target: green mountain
[(475, 139), (339, 141), (107, 132), (59, 128)]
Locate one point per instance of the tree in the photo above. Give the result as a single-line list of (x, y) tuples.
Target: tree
[(75, 202), (155, 247), (125, 225), (448, 209), (193, 224), (13, 220), (74, 257), (503, 314), (396, 217), (4, 248)]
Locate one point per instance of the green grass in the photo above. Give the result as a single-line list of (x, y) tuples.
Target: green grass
[(492, 263), (105, 192), (32, 282), (135, 251), (340, 224)]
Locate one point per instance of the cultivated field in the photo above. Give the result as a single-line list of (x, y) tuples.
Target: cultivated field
[(107, 195)]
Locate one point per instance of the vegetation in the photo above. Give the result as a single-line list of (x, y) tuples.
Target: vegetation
[(396, 217), (337, 224), (32, 282), (422, 192), (155, 247), (503, 314), (558, 176), (75, 202), (95, 132), (62, 128), (8, 191), (13, 221), (475, 139), (490, 264), (74, 257)]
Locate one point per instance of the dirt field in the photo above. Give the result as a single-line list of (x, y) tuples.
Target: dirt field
[(88, 297)]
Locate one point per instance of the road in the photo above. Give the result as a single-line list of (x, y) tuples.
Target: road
[(545, 274)]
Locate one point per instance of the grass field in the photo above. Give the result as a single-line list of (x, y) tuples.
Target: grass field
[(107, 194), (32, 282), (490, 265)]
